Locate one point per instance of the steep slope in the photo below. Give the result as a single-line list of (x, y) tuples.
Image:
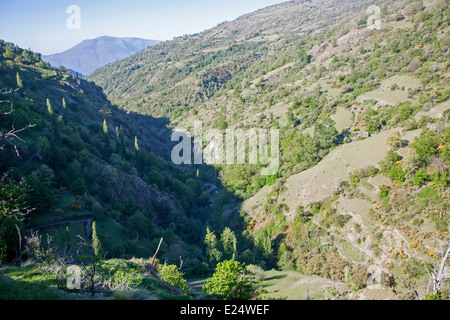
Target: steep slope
[(85, 160), (93, 54), (322, 181), (192, 68)]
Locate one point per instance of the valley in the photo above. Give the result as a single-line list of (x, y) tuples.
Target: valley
[(358, 210)]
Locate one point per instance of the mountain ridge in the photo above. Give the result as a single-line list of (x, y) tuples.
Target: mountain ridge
[(91, 54)]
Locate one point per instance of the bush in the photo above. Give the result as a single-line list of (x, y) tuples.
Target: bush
[(172, 275), (231, 281), (133, 294), (339, 220), (426, 146), (126, 279), (437, 296), (394, 140), (138, 223), (420, 177), (356, 277), (384, 192), (78, 187), (256, 271)]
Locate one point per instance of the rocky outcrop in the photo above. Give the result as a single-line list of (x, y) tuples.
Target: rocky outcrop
[(121, 186)]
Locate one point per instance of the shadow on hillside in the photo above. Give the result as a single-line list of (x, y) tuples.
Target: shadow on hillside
[(225, 207), (83, 137), (278, 277), (26, 290)]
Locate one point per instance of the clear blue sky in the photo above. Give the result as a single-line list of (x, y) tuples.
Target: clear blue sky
[(41, 25)]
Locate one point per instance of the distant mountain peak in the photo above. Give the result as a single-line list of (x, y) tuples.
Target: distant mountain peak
[(91, 54)]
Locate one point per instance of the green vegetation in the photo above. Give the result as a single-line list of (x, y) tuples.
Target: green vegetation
[(71, 172), (360, 199), (231, 280)]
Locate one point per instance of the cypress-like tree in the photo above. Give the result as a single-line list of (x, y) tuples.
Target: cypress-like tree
[(213, 254), (105, 127), (96, 244), (19, 81), (49, 107), (68, 238), (136, 145), (229, 242)]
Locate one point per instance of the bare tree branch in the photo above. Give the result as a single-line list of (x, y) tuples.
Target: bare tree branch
[(12, 203), (151, 265), (12, 134), (154, 256), (437, 277), (93, 264)]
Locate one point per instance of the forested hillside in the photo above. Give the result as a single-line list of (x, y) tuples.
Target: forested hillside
[(81, 159)]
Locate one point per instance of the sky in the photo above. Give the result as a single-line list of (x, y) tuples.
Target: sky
[(47, 27)]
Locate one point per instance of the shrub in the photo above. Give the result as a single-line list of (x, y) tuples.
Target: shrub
[(78, 187), (356, 277), (126, 278), (426, 146), (171, 274), (394, 140), (133, 294), (339, 220), (437, 296), (230, 280), (256, 271), (420, 177), (384, 191)]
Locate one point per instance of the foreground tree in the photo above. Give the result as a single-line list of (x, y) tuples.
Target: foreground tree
[(93, 256), (231, 280), (96, 244)]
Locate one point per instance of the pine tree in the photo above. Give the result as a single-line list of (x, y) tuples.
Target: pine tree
[(96, 244)]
